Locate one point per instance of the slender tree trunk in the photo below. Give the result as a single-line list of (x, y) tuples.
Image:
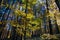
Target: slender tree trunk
[(58, 4), (50, 26), (25, 23), (48, 18), (0, 2), (57, 29), (13, 37), (8, 15)]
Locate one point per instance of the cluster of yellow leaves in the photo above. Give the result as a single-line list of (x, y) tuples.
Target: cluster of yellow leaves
[(29, 1), (19, 32), (21, 28), (35, 27), (0, 22), (13, 23), (28, 34), (48, 36), (20, 13), (32, 1), (29, 16), (51, 14)]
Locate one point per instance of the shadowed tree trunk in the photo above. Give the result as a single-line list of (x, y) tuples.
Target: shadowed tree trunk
[(58, 4), (49, 21), (0, 2), (13, 37), (57, 29), (1, 29), (50, 26)]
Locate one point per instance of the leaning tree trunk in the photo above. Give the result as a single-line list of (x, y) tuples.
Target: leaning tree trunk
[(52, 9), (58, 4), (57, 29)]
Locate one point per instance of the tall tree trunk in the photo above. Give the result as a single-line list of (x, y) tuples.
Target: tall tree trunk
[(0, 2), (58, 4), (25, 23), (57, 29), (13, 37), (50, 26), (48, 18)]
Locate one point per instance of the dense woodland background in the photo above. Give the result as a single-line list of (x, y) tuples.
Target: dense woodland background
[(29, 19)]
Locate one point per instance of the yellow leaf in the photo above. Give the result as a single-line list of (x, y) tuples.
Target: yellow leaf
[(51, 14), (28, 34), (0, 22), (29, 15), (20, 13), (34, 2), (8, 36)]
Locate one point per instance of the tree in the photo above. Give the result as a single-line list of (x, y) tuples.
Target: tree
[(31, 25)]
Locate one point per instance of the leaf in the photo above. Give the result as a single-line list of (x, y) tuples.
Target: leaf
[(0, 22), (30, 16), (28, 34), (23, 1), (20, 13)]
